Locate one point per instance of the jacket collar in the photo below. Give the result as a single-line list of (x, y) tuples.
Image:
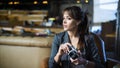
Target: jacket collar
[(66, 37)]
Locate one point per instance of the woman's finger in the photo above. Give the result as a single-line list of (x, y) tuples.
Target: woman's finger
[(79, 53), (73, 60), (68, 44), (64, 48), (76, 62)]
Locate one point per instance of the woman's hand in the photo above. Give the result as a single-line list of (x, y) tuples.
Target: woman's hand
[(63, 48), (80, 60)]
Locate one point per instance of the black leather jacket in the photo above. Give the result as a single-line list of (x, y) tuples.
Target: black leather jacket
[(90, 51)]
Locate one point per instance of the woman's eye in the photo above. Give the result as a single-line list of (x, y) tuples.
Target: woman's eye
[(69, 18)]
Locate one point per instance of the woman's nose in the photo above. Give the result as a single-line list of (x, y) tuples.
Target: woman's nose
[(64, 21)]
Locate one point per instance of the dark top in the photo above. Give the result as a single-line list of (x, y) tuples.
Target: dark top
[(90, 52)]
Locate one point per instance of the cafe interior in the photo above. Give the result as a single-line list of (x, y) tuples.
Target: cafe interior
[(27, 29)]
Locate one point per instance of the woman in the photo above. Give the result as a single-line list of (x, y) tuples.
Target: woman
[(76, 36)]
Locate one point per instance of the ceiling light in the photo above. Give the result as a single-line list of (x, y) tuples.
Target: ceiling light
[(35, 2), (16, 2), (86, 1), (10, 3), (45, 2), (78, 1)]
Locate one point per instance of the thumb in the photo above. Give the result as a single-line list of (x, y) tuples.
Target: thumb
[(79, 53)]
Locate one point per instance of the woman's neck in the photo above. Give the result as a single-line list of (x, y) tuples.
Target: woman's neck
[(74, 38), (73, 33)]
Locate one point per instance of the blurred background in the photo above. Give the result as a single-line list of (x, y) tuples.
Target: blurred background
[(27, 28)]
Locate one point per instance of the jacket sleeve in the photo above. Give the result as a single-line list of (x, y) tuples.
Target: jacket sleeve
[(54, 50), (94, 54)]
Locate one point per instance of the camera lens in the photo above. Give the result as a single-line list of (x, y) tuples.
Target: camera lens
[(70, 47), (72, 52)]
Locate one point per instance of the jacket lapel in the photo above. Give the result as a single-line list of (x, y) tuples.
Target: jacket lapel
[(66, 38)]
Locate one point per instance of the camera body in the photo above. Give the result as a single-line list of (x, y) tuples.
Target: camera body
[(72, 52)]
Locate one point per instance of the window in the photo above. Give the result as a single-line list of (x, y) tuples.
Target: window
[(104, 10)]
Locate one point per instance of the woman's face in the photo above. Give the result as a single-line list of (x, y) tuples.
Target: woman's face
[(69, 24)]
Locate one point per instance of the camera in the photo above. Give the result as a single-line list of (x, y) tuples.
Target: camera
[(72, 52)]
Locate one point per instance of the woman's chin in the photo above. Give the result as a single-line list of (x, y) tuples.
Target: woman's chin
[(65, 29)]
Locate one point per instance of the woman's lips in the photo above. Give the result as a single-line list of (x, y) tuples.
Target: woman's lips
[(65, 26)]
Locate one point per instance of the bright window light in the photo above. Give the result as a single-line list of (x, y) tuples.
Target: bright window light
[(109, 4)]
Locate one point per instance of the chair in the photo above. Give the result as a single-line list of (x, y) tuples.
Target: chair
[(101, 50), (44, 64)]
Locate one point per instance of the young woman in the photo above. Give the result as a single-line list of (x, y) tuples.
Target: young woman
[(76, 36)]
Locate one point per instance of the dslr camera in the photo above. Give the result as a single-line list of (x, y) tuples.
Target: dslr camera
[(72, 52)]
